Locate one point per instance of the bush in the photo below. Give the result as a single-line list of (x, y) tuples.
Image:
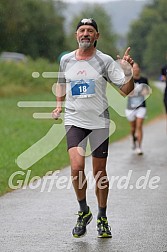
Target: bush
[(16, 78)]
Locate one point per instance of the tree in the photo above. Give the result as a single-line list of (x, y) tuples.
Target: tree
[(107, 40), (148, 37), (137, 37), (33, 27), (156, 52), (11, 20)]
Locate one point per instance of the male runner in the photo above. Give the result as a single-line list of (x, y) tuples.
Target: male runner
[(82, 81)]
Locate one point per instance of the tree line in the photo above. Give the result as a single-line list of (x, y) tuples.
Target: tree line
[(32, 27), (36, 28), (148, 37)]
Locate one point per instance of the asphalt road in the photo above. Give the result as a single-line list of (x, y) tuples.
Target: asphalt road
[(36, 221)]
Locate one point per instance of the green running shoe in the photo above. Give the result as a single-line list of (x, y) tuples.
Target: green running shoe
[(103, 229), (83, 220)]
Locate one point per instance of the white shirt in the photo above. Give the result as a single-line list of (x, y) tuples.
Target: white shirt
[(86, 104)]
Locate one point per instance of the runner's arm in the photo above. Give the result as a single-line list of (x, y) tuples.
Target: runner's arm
[(128, 87), (60, 97)]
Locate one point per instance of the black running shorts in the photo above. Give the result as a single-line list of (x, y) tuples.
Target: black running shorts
[(98, 138)]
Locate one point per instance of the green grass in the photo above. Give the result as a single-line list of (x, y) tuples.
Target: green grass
[(19, 130), (16, 78)]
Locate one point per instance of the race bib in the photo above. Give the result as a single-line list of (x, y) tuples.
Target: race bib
[(83, 88), (135, 101)]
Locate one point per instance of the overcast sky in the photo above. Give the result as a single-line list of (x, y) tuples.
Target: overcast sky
[(97, 1), (100, 1)]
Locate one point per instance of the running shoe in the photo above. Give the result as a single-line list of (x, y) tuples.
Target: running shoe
[(139, 151), (83, 220), (103, 229)]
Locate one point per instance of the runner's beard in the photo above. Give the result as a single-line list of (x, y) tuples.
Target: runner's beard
[(84, 44)]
